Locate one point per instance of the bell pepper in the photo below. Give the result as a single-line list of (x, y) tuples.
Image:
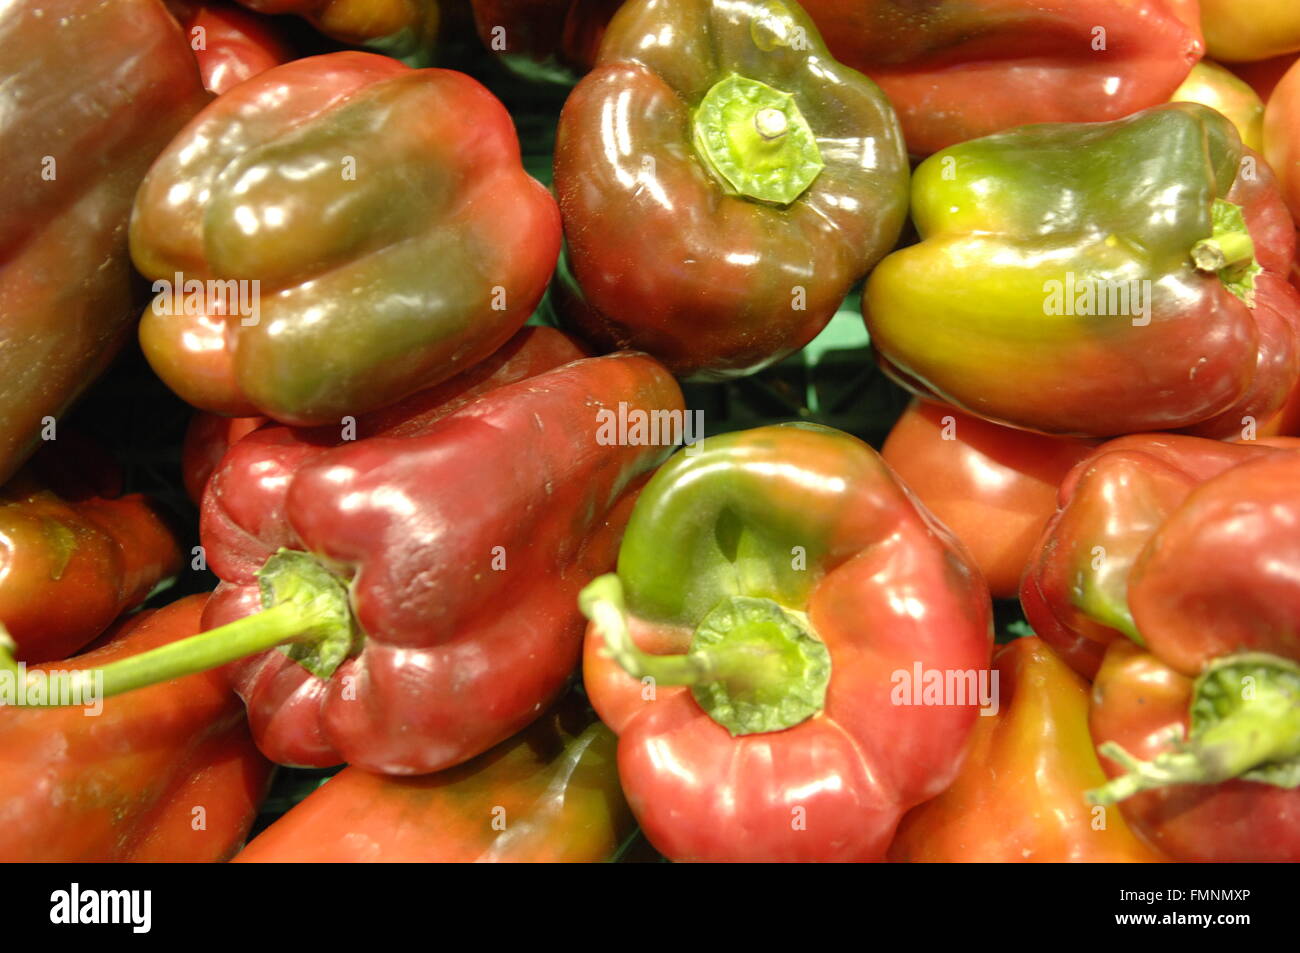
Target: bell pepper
[(550, 794), (994, 487), (1186, 547), (92, 93), (763, 651), (404, 29), (1076, 591), (1134, 273), (207, 438), (75, 553), (961, 69), (420, 581), (1256, 30), (1020, 796), (1211, 85), (229, 43), (552, 39), (329, 250), (168, 774), (1282, 135), (723, 183)]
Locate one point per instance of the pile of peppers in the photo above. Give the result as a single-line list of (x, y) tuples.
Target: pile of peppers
[(416, 440)]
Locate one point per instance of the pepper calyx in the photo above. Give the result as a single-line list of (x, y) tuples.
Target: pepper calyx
[(330, 633), (1244, 724), (753, 665), (755, 140)]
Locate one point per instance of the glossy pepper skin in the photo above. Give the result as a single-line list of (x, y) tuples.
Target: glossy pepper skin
[(1078, 592), (784, 536), (230, 44), (550, 794), (1142, 704), (385, 213), (460, 533), (993, 486), (1236, 31), (74, 552), (1282, 135), (1185, 546), (1020, 797), (92, 93), (124, 785), (405, 29), (961, 69), (1085, 255), (723, 182)]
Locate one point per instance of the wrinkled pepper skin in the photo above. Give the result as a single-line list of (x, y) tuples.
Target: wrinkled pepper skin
[(548, 795), (669, 257), (1282, 136), (230, 44), (961, 69), (124, 785), (1236, 31), (1092, 576), (92, 93), (207, 439), (74, 553), (385, 213), (1020, 228), (993, 486), (506, 502), (560, 36), (808, 519), (1142, 703), (1212, 85), (405, 29), (1019, 798)]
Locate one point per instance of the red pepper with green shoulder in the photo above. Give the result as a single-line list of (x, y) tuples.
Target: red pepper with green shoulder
[(763, 649)]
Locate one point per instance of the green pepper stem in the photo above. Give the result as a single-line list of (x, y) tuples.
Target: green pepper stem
[(1223, 251), (602, 602), (1232, 737), (199, 653), (753, 665), (306, 608)]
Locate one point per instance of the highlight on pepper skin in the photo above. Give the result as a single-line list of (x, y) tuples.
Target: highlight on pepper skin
[(641, 431)]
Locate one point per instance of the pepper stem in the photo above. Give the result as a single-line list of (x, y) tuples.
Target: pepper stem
[(307, 614), (753, 665), (1245, 717), (1229, 252)]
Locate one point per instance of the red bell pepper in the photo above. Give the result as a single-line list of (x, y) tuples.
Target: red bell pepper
[(774, 649), (74, 553), (723, 183), (167, 774), (961, 69), (550, 794), (336, 234), (1020, 796), (994, 487), (420, 580), (1185, 546), (229, 43), (92, 92)]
